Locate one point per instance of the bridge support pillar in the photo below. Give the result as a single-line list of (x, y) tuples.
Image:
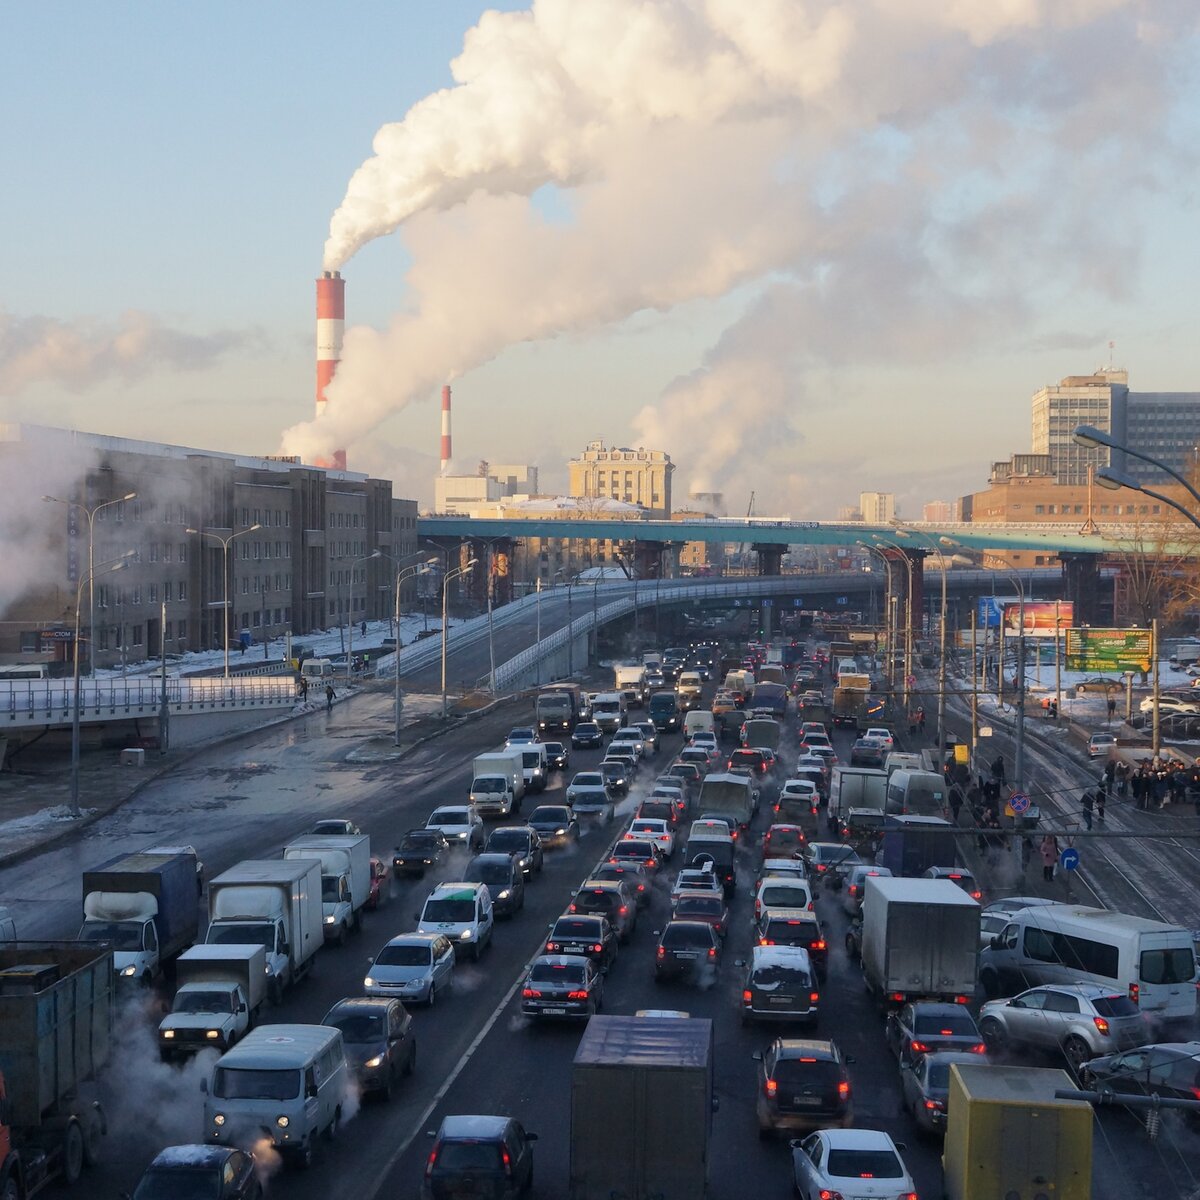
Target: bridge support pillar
[(1081, 584), (648, 559), (907, 590), (770, 558)]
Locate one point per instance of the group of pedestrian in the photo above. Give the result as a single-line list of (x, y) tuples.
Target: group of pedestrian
[(1155, 782)]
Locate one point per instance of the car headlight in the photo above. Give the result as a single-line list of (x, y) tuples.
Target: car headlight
[(466, 935), (377, 1061), (368, 982), (328, 920), (560, 831), (129, 971), (219, 1119), (503, 895), (168, 1033), (212, 1033), (282, 1121)]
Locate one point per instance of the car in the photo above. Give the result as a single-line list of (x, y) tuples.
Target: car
[(813, 727), (925, 1086), (685, 775), (562, 986), (1083, 1020), (555, 824), (593, 787), (611, 898), (826, 753), (661, 808), (783, 839), (957, 875), (866, 752), (199, 1173), (863, 1163), (459, 823), (749, 760), (782, 891), (814, 739), (990, 925), (715, 823), (704, 738), (622, 752), (503, 878), (792, 868), (1167, 1069), (1012, 904), (479, 1156), (794, 927), (700, 756), (856, 885), (335, 827), (379, 1040), (588, 934), (615, 776), (802, 1084), (696, 879), (924, 1026), (1169, 704), (649, 732), (419, 850), (632, 873), (653, 829), (521, 737), (1101, 745), (687, 948), (780, 985), (586, 736), (830, 861), (883, 736), (631, 738), (558, 758), (379, 889), (637, 850), (705, 905), (415, 967), (797, 798), (522, 842)]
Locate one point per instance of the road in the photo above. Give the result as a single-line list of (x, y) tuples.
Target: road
[(475, 1051)]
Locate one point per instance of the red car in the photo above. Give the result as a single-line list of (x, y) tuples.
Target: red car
[(380, 891)]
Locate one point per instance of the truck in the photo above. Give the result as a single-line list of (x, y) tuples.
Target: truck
[(345, 878), (761, 731), (920, 940), (726, 794), (557, 708), (641, 1109), (852, 701), (145, 906), (913, 844), (769, 697), (608, 711), (275, 904), (857, 787), (220, 991), (498, 783), (1010, 1134), (630, 680), (665, 712), (57, 1004)]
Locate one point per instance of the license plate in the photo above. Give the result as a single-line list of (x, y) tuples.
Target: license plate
[(555, 1012), (806, 1101), (782, 1001), (573, 948), (682, 954)]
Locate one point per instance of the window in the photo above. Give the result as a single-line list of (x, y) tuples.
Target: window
[(153, 593), (1173, 965), (245, 585), (1038, 946), (154, 552), (182, 590), (183, 552), (167, 591), (1061, 1003), (183, 631), (139, 635), (169, 631), (166, 551)]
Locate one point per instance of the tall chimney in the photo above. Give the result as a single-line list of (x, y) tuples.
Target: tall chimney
[(445, 428), (331, 322)]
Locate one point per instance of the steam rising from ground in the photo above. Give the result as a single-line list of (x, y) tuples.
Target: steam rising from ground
[(880, 181)]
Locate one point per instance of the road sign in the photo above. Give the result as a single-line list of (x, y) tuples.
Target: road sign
[(767, 602), (843, 600), (911, 681), (985, 731), (1069, 859), (1019, 802)]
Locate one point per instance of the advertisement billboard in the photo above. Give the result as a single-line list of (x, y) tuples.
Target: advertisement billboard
[(990, 609), (1041, 617), (1109, 650)]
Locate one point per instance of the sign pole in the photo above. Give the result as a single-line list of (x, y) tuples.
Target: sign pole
[(1057, 661), (974, 684), (1156, 729)]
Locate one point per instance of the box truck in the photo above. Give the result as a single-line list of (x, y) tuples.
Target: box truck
[(345, 878), (498, 783), (221, 989)]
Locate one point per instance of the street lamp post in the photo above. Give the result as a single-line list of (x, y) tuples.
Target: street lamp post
[(225, 543), (570, 632), (401, 576), (908, 646), (449, 575), (888, 616), (90, 513)]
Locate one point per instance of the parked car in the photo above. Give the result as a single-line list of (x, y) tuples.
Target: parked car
[(477, 1155), (864, 1163), (522, 842), (419, 850), (562, 986), (416, 967), (686, 948), (379, 1040), (802, 1085), (199, 1173), (924, 1027)]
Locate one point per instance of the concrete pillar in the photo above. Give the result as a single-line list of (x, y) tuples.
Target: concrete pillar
[(1081, 584), (916, 615), (770, 558), (647, 558)]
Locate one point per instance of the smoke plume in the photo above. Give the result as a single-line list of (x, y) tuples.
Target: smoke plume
[(876, 183)]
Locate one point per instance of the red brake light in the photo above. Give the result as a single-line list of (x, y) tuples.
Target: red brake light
[(962, 999), (551, 947), (918, 1047), (979, 1048), (946, 1032), (843, 1090), (431, 1161), (712, 952), (530, 993), (747, 998), (933, 1105), (506, 1158), (813, 997), (577, 995), (597, 948), (623, 909), (897, 997), (1134, 991), (771, 1087), (661, 953), (1101, 1024), (976, 895), (762, 941), (826, 1194), (819, 944), (571, 907)]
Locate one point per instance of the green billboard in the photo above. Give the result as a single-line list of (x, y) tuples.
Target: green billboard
[(1109, 649)]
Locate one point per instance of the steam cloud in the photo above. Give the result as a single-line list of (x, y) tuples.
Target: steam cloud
[(887, 180)]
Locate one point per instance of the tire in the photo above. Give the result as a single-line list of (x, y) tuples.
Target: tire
[(302, 1159), (331, 1130), (93, 1132), (432, 996), (410, 1063), (1077, 1052), (993, 1036), (8, 1189), (72, 1155)]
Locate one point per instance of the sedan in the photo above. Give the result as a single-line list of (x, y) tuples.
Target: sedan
[(460, 824), (555, 824), (419, 850), (415, 967), (1162, 1069), (586, 784), (591, 936), (866, 752), (628, 737), (378, 1037), (336, 827), (884, 736), (522, 842), (614, 779), (863, 1163), (562, 986), (926, 1027), (586, 736), (199, 1172), (707, 906), (649, 732), (830, 860), (557, 756), (691, 948), (632, 873), (653, 829), (521, 737), (1100, 745), (503, 878), (959, 876), (925, 1087), (637, 850)]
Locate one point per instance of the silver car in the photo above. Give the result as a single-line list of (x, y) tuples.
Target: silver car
[(414, 967)]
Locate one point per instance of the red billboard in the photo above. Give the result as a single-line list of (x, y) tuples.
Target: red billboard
[(1041, 618)]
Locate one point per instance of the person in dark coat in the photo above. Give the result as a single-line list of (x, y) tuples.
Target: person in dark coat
[(1089, 802), (329, 695), (998, 769)]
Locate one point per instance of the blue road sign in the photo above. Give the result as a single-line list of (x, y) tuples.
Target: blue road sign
[(767, 602), (843, 600), (1019, 802), (1069, 859), (797, 603)]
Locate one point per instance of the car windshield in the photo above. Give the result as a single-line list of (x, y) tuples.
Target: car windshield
[(203, 1002), (864, 1164), (531, 758), (360, 1027), (241, 935), (448, 816), (404, 956), (331, 889), (1119, 1006), (588, 779), (180, 1183), (686, 936), (122, 936), (956, 1024), (489, 785), (232, 1083), (576, 928), (468, 1156), (939, 1076), (1174, 965), (553, 815), (419, 839), (768, 979), (515, 839), (450, 910), (493, 872), (556, 973), (588, 729), (699, 906)]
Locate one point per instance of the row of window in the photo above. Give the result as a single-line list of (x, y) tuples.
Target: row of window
[(338, 578), (263, 550), (172, 592), (110, 637), (256, 620), (1104, 509), (267, 517), (357, 604), (262, 583)]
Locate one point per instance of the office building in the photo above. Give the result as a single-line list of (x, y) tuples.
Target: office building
[(939, 512), (638, 476), (877, 508)]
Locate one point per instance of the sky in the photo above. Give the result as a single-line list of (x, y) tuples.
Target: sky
[(807, 248)]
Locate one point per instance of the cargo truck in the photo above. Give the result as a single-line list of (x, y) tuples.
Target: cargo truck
[(761, 731), (641, 1109), (727, 794), (852, 700), (345, 878), (221, 989), (558, 708), (911, 845), (608, 711), (275, 904), (1008, 1134), (920, 940), (498, 783), (630, 681), (857, 787), (145, 907), (57, 1002)]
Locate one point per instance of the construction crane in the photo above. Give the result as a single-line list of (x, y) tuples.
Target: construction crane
[(746, 545)]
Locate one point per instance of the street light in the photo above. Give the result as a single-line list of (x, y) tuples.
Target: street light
[(454, 574), (888, 621), (225, 541), (1115, 480), (1090, 436), (350, 608), (908, 646), (401, 576), (90, 513)]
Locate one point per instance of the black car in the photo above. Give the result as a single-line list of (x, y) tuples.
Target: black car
[(555, 824), (616, 774), (633, 873), (522, 842), (502, 876), (866, 752), (586, 736), (479, 1156), (924, 1027), (1165, 1069), (557, 757), (802, 1085), (562, 985), (419, 850), (200, 1172), (748, 760), (689, 948), (795, 927), (377, 1033), (591, 936)]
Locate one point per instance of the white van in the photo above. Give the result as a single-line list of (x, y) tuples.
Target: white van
[(899, 760), (535, 767), (1153, 962), (316, 670), (917, 794), (463, 913), (698, 720), (608, 711), (8, 927), (289, 1082), (690, 684)]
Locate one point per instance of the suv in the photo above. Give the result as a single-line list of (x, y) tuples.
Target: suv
[(802, 1085), (795, 927), (783, 840), (488, 1155), (1084, 1020), (686, 948), (609, 898), (587, 736), (780, 985), (503, 877), (522, 842)]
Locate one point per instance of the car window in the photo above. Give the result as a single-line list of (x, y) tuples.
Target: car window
[(778, 976), (557, 973), (1039, 945), (946, 1024), (1114, 1006), (1030, 1000), (566, 927), (864, 1164), (1061, 1003), (793, 1072), (468, 1156), (1174, 965), (686, 936)]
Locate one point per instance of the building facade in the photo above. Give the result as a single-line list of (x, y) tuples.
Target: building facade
[(877, 508), (640, 476)]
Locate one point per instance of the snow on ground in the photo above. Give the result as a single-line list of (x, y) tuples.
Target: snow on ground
[(46, 818)]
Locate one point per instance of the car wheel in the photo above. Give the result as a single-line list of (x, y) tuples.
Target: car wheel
[(331, 1130), (1077, 1052), (432, 1000), (410, 1063), (72, 1153), (993, 1035)]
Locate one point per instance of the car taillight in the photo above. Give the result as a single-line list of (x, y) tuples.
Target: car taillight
[(712, 952), (577, 995), (934, 1105), (918, 1047), (962, 999), (623, 909), (820, 866), (571, 907), (771, 1087), (431, 1161), (813, 997), (506, 1159), (819, 944), (551, 947), (908, 1196), (530, 993), (979, 1048), (897, 997), (1135, 990), (1101, 1024), (827, 1194), (661, 953), (747, 997), (843, 1090), (597, 948)]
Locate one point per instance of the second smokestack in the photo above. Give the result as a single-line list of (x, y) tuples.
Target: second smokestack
[(445, 428)]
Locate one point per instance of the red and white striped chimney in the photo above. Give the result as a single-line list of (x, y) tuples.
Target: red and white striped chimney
[(331, 323), (445, 428)]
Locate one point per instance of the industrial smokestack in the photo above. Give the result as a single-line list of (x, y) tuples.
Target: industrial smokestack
[(445, 428), (331, 323)]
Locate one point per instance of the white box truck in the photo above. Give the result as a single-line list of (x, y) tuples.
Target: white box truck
[(630, 680), (498, 783), (345, 878), (221, 989)]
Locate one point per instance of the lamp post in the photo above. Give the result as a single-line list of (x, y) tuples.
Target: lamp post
[(350, 607), (908, 646), (449, 575), (888, 616), (225, 543), (163, 712), (401, 576), (570, 632), (90, 513), (1019, 725)]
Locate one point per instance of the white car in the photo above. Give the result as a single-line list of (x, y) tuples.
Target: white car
[(520, 737), (782, 891), (1170, 704), (460, 824), (797, 793), (789, 868), (695, 879), (704, 737), (585, 781), (862, 1163), (632, 738), (883, 737), (990, 924), (645, 829)]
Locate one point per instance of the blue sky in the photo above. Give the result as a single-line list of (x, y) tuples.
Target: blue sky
[(184, 161)]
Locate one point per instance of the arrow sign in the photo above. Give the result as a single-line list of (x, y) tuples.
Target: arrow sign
[(1069, 859)]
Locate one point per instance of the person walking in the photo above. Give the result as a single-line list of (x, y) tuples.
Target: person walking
[(329, 695), (1049, 852), (303, 688), (1101, 800), (998, 769), (1089, 802), (921, 720), (956, 802), (1122, 779), (1112, 708)]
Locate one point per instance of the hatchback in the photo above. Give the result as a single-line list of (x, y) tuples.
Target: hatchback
[(802, 1084), (686, 948), (925, 1086), (780, 985), (479, 1156), (201, 1173), (611, 898), (632, 873), (562, 985), (794, 927), (863, 1163), (592, 936), (957, 875), (415, 967), (782, 841), (748, 760), (586, 736), (925, 1027), (708, 906), (378, 1036)]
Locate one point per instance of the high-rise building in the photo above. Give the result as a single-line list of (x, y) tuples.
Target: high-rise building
[(638, 476), (939, 511), (877, 508), (1166, 426)]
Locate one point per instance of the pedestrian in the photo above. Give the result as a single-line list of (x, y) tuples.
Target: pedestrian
[(329, 695), (1137, 785), (1110, 773), (998, 769), (956, 801), (1122, 778), (1053, 710), (1089, 802), (1112, 708), (921, 720), (1049, 852), (363, 629), (303, 687), (1101, 800), (912, 724)]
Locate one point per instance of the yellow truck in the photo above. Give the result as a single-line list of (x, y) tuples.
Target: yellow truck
[(1007, 1134)]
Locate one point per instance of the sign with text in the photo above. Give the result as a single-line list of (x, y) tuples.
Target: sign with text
[(1041, 618), (1110, 649), (990, 609)]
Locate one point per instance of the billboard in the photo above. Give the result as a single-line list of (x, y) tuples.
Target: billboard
[(1109, 649), (990, 608), (1041, 617)]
